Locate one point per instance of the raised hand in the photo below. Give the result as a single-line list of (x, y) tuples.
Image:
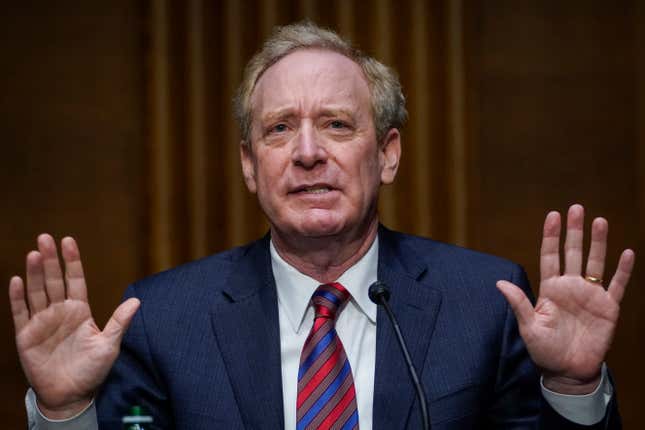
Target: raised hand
[(64, 355), (570, 330)]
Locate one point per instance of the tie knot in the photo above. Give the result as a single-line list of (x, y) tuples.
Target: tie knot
[(328, 298)]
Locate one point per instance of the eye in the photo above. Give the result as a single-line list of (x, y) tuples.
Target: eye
[(337, 124), (278, 128)]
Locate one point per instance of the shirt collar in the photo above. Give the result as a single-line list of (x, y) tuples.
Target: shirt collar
[(295, 288)]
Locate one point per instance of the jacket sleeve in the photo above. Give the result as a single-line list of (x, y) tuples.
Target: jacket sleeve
[(134, 380)]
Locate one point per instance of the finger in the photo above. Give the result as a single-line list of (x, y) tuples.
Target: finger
[(120, 320), (621, 277), (550, 252), (19, 308), (54, 284), (36, 296), (76, 286), (598, 248), (521, 305), (573, 242)]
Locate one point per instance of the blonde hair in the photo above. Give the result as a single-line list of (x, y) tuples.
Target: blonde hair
[(387, 100)]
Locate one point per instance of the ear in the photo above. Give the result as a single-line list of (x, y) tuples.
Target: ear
[(248, 166), (389, 155)]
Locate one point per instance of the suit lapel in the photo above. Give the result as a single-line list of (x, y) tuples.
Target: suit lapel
[(246, 326), (416, 306), (247, 330)]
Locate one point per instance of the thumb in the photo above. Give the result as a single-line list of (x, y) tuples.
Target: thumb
[(120, 320), (521, 305)]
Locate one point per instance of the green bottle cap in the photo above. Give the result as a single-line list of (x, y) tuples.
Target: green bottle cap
[(137, 416)]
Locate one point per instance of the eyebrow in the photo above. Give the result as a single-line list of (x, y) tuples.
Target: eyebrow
[(325, 112), (338, 111), (278, 114)]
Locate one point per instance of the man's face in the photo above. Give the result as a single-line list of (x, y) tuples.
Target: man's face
[(314, 161)]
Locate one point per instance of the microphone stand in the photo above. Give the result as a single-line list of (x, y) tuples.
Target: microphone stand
[(379, 293)]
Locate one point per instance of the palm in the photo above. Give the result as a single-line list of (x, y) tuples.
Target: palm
[(570, 330), (573, 326), (64, 354), (62, 351)]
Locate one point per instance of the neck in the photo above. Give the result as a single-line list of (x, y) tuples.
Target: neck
[(325, 258)]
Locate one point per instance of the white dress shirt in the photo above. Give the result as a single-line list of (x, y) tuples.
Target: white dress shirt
[(356, 327)]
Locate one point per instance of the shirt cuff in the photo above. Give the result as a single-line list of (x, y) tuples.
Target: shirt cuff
[(84, 420), (587, 409)]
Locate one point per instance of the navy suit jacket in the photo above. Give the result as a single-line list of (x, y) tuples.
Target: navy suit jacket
[(203, 352)]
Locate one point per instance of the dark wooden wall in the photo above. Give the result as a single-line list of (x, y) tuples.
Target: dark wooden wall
[(72, 151), (553, 113), (556, 118)]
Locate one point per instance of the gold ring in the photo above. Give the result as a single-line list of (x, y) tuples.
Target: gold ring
[(593, 279)]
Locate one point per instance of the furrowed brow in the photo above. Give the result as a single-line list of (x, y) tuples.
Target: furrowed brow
[(342, 112), (278, 114)]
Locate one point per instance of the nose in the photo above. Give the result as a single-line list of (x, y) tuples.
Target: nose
[(309, 149)]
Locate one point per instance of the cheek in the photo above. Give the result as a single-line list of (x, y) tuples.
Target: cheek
[(363, 178), (271, 182), (269, 169), (370, 168)]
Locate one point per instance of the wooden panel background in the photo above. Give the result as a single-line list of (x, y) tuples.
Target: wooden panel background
[(116, 128), (72, 151), (555, 120)]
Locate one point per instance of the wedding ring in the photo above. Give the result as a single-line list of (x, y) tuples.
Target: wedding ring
[(594, 280)]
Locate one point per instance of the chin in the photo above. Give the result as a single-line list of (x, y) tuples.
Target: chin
[(312, 229), (320, 225)]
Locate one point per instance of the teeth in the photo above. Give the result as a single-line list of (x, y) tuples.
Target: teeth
[(316, 190)]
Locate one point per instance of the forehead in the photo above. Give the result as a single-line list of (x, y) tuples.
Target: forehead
[(311, 78)]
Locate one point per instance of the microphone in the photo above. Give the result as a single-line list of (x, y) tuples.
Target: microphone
[(379, 293)]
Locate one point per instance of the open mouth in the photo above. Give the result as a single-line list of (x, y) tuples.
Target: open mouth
[(316, 190), (313, 189)]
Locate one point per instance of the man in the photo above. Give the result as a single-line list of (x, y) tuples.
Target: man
[(249, 339)]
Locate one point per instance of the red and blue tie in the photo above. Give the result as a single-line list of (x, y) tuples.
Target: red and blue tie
[(326, 395)]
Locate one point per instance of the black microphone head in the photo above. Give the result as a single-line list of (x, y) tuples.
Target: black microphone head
[(379, 292)]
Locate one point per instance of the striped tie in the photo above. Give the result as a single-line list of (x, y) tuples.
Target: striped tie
[(326, 396)]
